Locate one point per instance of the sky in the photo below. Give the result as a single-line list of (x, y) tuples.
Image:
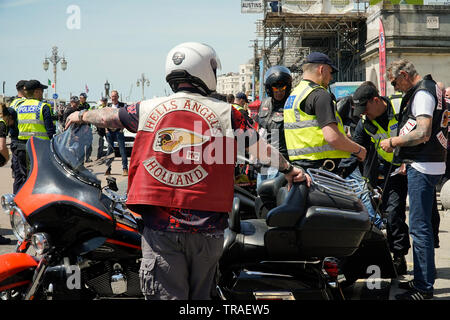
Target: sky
[(115, 41)]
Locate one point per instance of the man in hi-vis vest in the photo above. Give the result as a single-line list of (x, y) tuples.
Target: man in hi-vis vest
[(34, 120), (181, 172), (313, 129), (380, 121)]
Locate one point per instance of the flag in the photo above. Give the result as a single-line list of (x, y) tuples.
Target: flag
[(87, 89), (382, 59), (49, 82)]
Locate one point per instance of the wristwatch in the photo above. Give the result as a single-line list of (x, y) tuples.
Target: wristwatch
[(288, 170), (80, 115)]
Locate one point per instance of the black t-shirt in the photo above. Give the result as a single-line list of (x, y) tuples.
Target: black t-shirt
[(320, 103)]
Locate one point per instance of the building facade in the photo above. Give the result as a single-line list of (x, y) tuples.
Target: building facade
[(234, 82), (420, 34)]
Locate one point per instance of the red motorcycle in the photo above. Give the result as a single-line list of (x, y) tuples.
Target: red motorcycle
[(86, 241)]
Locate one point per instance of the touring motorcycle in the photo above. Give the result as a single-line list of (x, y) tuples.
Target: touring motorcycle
[(87, 243), (307, 243)]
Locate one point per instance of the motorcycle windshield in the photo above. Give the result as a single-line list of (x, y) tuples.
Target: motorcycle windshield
[(71, 147)]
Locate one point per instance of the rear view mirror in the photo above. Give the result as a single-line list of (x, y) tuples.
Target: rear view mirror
[(112, 183)]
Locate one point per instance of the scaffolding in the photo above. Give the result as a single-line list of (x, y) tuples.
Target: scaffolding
[(287, 38)]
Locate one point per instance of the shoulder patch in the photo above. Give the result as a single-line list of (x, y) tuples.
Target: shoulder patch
[(289, 102)]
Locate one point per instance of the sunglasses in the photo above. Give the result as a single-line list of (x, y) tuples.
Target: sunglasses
[(394, 82), (278, 89)]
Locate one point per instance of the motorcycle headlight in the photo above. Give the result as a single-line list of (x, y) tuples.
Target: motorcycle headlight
[(19, 224), (40, 242), (7, 202)]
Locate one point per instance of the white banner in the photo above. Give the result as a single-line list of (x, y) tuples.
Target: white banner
[(318, 6), (252, 6)]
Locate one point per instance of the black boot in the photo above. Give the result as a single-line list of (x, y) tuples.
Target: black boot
[(400, 265)]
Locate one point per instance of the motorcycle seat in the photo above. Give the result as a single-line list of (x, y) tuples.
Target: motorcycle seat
[(268, 189), (247, 246)]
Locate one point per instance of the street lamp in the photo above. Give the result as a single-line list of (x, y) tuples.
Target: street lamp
[(54, 59), (141, 81), (107, 87)]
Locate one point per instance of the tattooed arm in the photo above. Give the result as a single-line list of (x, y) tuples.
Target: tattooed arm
[(420, 134), (104, 118)]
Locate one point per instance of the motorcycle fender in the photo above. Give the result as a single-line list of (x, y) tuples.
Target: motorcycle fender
[(11, 264)]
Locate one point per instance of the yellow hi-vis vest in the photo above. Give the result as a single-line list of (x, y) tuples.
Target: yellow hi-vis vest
[(31, 120), (16, 102), (304, 137), (396, 100), (383, 134), (237, 107)]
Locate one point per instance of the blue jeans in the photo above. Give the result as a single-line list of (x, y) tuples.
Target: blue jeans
[(267, 174), (120, 138), (365, 198), (421, 196)]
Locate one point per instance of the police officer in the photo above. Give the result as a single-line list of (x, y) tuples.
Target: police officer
[(313, 129), (184, 206), (83, 103), (20, 94), (422, 144), (34, 120), (380, 121), (278, 85)]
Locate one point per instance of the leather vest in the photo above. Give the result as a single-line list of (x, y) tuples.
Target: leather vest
[(435, 149), (271, 121), (184, 154)]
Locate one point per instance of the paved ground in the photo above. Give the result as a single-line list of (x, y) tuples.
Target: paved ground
[(360, 291)]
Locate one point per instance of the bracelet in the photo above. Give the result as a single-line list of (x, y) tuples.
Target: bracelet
[(80, 115), (355, 153), (390, 143), (288, 170)]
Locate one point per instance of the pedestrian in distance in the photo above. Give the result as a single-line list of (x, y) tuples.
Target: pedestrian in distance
[(182, 198), (422, 144), (230, 98), (101, 131), (116, 135), (73, 106), (85, 106)]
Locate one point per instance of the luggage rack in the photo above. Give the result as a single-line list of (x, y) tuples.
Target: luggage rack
[(332, 183)]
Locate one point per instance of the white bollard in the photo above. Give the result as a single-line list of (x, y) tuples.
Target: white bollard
[(445, 195)]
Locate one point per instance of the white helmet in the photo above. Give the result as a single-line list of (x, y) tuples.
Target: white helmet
[(194, 63)]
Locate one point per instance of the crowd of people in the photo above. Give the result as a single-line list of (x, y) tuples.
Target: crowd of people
[(403, 138)]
